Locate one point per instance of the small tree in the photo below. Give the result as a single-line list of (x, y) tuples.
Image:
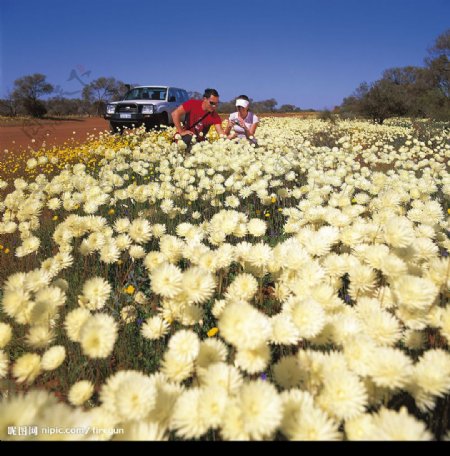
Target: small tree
[(102, 90), (289, 108), (412, 84), (28, 90), (327, 116), (385, 99), (265, 105), (378, 101)]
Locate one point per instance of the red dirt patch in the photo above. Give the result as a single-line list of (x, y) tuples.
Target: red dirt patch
[(52, 132)]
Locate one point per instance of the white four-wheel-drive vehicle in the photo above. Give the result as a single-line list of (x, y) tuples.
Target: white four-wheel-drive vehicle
[(145, 105)]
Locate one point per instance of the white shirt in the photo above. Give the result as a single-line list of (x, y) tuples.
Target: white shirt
[(249, 121)]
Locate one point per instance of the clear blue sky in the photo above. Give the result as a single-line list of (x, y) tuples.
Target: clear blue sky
[(311, 53)]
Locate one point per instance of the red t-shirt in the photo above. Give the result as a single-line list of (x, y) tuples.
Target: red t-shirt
[(195, 112)]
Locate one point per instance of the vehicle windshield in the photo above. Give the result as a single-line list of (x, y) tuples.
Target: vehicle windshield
[(146, 93)]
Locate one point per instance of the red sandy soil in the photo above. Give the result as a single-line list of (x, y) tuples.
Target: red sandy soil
[(53, 132)]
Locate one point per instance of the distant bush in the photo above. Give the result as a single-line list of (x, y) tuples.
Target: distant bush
[(328, 116)]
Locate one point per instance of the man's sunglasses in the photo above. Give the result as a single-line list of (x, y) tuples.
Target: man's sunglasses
[(213, 103)]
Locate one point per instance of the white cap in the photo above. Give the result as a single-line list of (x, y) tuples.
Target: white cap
[(242, 102)]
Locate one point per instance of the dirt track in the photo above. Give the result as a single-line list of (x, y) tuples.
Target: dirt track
[(53, 132)]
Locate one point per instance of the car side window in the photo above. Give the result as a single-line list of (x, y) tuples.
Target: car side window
[(172, 96)]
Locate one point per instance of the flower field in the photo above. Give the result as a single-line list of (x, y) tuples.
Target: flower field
[(295, 290)]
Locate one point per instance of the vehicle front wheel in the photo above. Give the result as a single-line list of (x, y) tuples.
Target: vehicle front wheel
[(163, 119)]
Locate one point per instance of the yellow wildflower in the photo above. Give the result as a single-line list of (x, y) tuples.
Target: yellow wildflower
[(129, 289), (111, 211)]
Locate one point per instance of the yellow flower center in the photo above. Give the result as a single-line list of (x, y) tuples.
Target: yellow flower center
[(212, 332), (129, 289)]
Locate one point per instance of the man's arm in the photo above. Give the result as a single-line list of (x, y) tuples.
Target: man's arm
[(177, 114), (219, 130)]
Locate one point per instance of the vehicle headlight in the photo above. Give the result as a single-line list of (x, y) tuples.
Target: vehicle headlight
[(148, 109), (110, 109)]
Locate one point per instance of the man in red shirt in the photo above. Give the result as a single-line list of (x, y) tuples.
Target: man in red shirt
[(199, 116)]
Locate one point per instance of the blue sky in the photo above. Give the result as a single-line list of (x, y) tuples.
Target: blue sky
[(311, 53)]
